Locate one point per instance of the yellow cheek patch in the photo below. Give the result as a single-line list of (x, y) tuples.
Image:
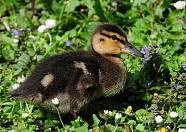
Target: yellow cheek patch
[(112, 47), (113, 33)]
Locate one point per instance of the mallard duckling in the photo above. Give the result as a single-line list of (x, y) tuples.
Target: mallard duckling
[(75, 78)]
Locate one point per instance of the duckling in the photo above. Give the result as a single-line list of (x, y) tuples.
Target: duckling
[(76, 78)]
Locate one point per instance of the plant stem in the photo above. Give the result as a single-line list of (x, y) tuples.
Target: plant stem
[(60, 117), (174, 129)]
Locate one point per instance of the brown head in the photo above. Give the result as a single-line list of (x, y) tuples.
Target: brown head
[(109, 39)]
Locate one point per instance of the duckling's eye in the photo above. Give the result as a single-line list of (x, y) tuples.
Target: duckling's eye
[(114, 37)]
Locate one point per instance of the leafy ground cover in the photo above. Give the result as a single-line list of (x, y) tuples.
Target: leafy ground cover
[(154, 99)]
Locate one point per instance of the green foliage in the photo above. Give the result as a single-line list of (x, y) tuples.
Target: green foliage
[(140, 128), (95, 120), (143, 116), (155, 87)]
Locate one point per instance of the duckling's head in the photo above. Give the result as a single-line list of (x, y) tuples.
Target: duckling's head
[(109, 39)]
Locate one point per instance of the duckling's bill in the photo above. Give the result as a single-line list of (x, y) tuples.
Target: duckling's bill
[(129, 49)]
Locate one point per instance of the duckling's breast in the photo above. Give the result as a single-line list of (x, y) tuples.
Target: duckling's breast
[(112, 76)]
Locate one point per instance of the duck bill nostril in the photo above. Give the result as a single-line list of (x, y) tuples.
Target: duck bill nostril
[(129, 49)]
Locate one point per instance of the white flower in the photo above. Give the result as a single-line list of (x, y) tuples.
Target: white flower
[(181, 130), (12, 130), (41, 28), (55, 101), (15, 40), (15, 86), (24, 115), (32, 37), (50, 23), (179, 5), (117, 116), (114, 4), (110, 112), (106, 111), (173, 114), (158, 119), (21, 79)]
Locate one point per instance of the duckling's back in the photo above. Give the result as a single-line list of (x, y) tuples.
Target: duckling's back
[(73, 78)]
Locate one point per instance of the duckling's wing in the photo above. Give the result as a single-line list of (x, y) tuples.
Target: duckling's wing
[(86, 76)]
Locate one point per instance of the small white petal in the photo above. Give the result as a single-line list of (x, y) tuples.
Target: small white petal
[(15, 86), (24, 115), (41, 28), (110, 112), (114, 4), (32, 37), (12, 130), (173, 114), (158, 119), (106, 111), (182, 130), (50, 23), (55, 101), (118, 115), (15, 40), (179, 5), (21, 79)]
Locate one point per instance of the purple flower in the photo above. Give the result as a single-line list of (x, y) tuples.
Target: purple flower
[(15, 32), (146, 56), (177, 86), (68, 43), (168, 127), (50, 23), (144, 49), (143, 62), (184, 65), (149, 83), (156, 55)]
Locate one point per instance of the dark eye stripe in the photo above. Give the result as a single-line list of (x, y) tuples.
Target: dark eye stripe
[(122, 41), (106, 35), (101, 39), (114, 37)]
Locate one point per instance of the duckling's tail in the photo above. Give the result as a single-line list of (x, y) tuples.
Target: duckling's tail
[(17, 93), (22, 92)]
